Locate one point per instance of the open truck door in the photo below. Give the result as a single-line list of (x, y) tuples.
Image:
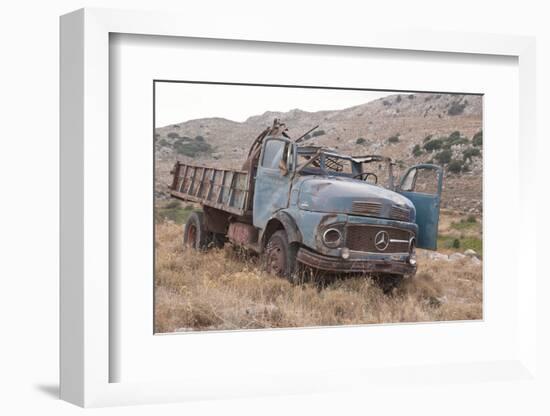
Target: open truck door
[(422, 185)]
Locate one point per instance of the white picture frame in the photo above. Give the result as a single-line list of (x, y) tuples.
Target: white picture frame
[(85, 213)]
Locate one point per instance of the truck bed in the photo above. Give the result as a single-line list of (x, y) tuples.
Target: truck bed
[(224, 189)]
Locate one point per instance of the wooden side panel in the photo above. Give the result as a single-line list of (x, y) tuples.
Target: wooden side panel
[(240, 189), (220, 188)]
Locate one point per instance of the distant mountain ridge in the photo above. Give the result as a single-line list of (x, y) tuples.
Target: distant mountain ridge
[(412, 119), (391, 126)]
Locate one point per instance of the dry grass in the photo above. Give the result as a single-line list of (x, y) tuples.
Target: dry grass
[(221, 289)]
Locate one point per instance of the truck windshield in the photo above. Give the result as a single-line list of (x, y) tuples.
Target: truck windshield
[(321, 162), (381, 172)]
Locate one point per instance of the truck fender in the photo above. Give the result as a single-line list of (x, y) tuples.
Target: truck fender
[(292, 231)]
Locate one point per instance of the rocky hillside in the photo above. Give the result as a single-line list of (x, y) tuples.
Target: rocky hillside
[(410, 128)]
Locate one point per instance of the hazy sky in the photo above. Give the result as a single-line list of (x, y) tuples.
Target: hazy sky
[(178, 102)]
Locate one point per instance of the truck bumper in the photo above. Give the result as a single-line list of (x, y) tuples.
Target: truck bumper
[(373, 264)]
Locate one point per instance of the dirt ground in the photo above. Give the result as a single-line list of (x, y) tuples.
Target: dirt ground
[(223, 289)]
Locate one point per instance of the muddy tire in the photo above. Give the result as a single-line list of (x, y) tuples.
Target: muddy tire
[(280, 256), (195, 234)]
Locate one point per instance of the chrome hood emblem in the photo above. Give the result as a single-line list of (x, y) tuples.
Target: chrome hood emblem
[(382, 240)]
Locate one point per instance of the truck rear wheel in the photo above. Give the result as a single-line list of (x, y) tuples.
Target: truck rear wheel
[(195, 234), (280, 255)]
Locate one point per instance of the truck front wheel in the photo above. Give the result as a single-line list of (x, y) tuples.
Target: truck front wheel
[(195, 234), (280, 255)]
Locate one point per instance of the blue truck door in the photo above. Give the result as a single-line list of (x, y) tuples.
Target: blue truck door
[(422, 184), (272, 185)]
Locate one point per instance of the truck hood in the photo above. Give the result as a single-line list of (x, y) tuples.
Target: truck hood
[(337, 195)]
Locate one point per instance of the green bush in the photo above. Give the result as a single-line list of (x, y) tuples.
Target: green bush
[(318, 133), (454, 135), (398, 99), (444, 156), (163, 142), (456, 108), (360, 140), (432, 145), (455, 166), (174, 203), (470, 152), (172, 135), (464, 243), (394, 139), (471, 219), (463, 226), (477, 140), (417, 151), (411, 96), (192, 148), (386, 103), (456, 243), (199, 139), (172, 211), (452, 141)]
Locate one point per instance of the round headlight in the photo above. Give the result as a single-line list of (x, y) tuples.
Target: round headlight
[(332, 237)]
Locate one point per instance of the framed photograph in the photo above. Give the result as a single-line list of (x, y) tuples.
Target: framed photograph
[(273, 214), (310, 216)]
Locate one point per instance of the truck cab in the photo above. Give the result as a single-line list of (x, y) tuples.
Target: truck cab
[(337, 213)]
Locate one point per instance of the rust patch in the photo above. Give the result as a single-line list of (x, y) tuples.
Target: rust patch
[(244, 234)]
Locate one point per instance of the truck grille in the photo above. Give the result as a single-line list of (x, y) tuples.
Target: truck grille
[(374, 209), (400, 214), (366, 208), (362, 238)]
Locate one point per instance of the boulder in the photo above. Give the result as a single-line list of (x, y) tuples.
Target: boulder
[(438, 256), (470, 252), (475, 260), (456, 256)]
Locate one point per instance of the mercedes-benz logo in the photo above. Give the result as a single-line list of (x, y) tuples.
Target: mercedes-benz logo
[(382, 240)]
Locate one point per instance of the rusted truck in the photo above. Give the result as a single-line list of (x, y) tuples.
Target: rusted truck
[(311, 205)]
